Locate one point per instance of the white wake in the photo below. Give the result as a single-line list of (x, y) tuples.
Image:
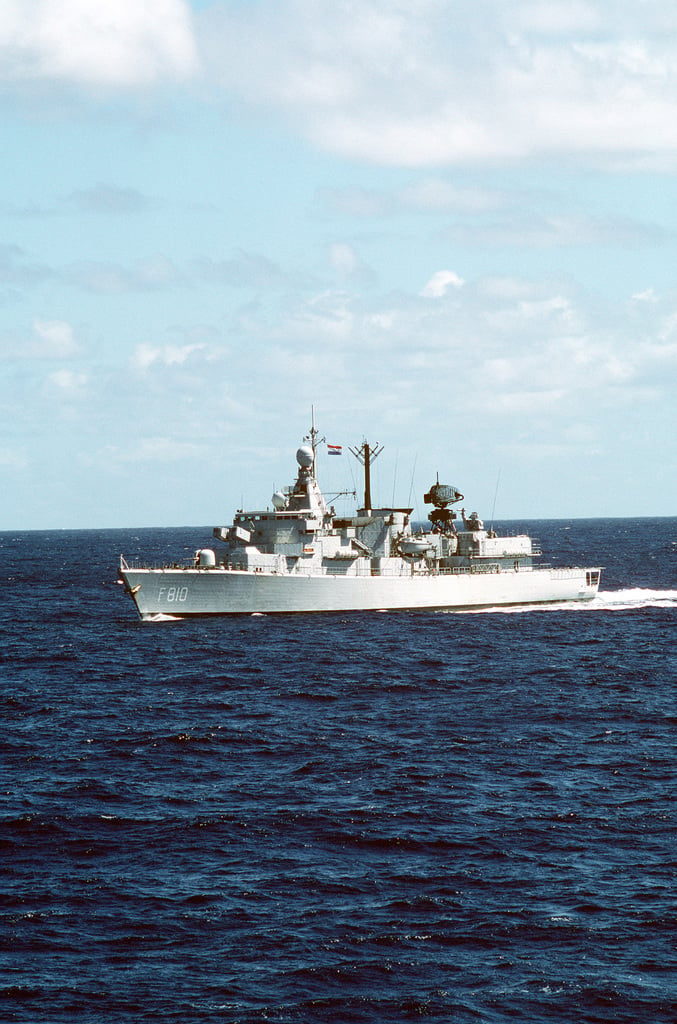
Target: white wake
[(604, 601), (611, 600)]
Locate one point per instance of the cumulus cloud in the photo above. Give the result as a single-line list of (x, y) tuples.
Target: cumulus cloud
[(55, 339), (495, 348), (435, 195), (69, 383), (440, 283), (422, 84), (502, 363), (48, 340), (349, 266), (119, 43), (648, 295), (146, 355), (343, 258), (415, 84)]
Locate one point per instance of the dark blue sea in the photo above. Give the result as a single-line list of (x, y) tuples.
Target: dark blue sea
[(347, 818)]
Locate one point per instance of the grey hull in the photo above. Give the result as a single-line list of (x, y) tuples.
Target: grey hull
[(218, 591)]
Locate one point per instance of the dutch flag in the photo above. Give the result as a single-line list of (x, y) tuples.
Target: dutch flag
[(334, 449)]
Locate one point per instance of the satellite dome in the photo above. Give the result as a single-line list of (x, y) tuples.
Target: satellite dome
[(305, 456), (279, 501)]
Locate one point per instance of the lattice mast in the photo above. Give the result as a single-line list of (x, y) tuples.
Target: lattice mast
[(366, 454)]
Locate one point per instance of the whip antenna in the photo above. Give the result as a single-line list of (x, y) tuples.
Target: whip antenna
[(493, 507)]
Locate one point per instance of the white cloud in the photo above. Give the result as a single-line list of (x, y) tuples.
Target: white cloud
[(440, 283), (504, 348), (331, 314), (49, 339), (445, 370), (349, 266), (554, 311), (438, 196), (343, 258), (55, 339), (507, 288), (527, 402), (115, 43), (69, 382), (146, 355), (405, 84), (668, 327), (414, 84), (648, 295), (545, 17)]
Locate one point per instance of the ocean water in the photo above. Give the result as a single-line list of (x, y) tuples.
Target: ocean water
[(347, 818)]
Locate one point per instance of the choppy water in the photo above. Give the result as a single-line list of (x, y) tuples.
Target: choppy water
[(361, 818)]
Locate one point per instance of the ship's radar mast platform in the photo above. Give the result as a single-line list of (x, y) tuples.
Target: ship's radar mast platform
[(366, 454)]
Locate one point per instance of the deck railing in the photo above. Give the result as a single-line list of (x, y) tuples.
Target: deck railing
[(349, 569)]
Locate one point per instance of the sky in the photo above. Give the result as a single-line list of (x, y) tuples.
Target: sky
[(448, 228)]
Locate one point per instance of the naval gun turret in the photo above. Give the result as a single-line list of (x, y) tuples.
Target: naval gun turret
[(442, 495)]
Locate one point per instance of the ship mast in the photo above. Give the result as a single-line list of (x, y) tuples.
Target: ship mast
[(366, 454), (314, 439)]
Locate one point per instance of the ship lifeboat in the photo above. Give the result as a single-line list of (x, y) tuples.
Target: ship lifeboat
[(414, 547)]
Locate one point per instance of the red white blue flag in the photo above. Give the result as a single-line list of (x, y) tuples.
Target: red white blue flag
[(334, 449)]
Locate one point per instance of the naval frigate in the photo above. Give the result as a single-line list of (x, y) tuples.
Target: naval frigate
[(298, 555)]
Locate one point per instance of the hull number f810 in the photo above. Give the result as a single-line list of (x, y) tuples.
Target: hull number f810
[(172, 594)]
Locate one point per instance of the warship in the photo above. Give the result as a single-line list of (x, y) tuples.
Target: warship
[(298, 555)]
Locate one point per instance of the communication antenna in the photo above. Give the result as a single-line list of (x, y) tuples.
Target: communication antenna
[(493, 507), (366, 454), (413, 474), (315, 441)]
